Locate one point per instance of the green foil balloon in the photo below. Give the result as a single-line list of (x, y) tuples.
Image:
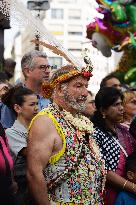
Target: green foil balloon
[(118, 12), (130, 76), (131, 13)]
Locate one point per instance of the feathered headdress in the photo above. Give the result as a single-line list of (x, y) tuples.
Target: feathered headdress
[(62, 75)]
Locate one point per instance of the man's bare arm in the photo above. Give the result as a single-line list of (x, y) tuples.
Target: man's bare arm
[(40, 147)]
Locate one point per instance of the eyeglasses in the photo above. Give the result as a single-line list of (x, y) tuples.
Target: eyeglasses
[(45, 67)]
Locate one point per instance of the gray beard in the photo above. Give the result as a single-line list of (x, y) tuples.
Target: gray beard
[(80, 107)]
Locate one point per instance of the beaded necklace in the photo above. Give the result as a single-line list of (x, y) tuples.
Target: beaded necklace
[(95, 164), (82, 125)]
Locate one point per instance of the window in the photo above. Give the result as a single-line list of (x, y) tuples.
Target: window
[(55, 61), (74, 14), (74, 49), (57, 13), (67, 1), (56, 29), (74, 27), (74, 44), (75, 30), (75, 33)]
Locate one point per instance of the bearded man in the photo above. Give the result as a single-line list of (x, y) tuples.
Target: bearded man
[(64, 163)]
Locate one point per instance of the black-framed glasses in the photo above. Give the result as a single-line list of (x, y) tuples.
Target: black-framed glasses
[(45, 67)]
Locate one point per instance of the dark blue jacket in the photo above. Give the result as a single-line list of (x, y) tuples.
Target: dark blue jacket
[(126, 198)]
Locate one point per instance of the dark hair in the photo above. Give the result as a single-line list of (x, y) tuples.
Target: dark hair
[(9, 63), (131, 162), (132, 128), (15, 95), (3, 77), (105, 97), (108, 77), (9, 67)]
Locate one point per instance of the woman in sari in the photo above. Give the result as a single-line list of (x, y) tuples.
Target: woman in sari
[(114, 141)]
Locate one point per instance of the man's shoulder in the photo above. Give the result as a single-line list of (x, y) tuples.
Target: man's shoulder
[(41, 120)]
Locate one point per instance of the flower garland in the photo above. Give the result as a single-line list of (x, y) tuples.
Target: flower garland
[(80, 122), (83, 125)]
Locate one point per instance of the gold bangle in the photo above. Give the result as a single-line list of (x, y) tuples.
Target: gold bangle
[(133, 186), (125, 184)]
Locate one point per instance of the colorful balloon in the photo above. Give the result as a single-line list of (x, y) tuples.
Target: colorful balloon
[(130, 76), (101, 43), (117, 31), (118, 23)]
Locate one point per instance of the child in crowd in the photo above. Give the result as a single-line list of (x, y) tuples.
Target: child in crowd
[(125, 198)]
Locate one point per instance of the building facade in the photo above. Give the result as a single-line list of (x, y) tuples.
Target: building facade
[(67, 20)]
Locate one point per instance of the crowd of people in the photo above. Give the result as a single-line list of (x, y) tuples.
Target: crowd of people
[(60, 144)]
